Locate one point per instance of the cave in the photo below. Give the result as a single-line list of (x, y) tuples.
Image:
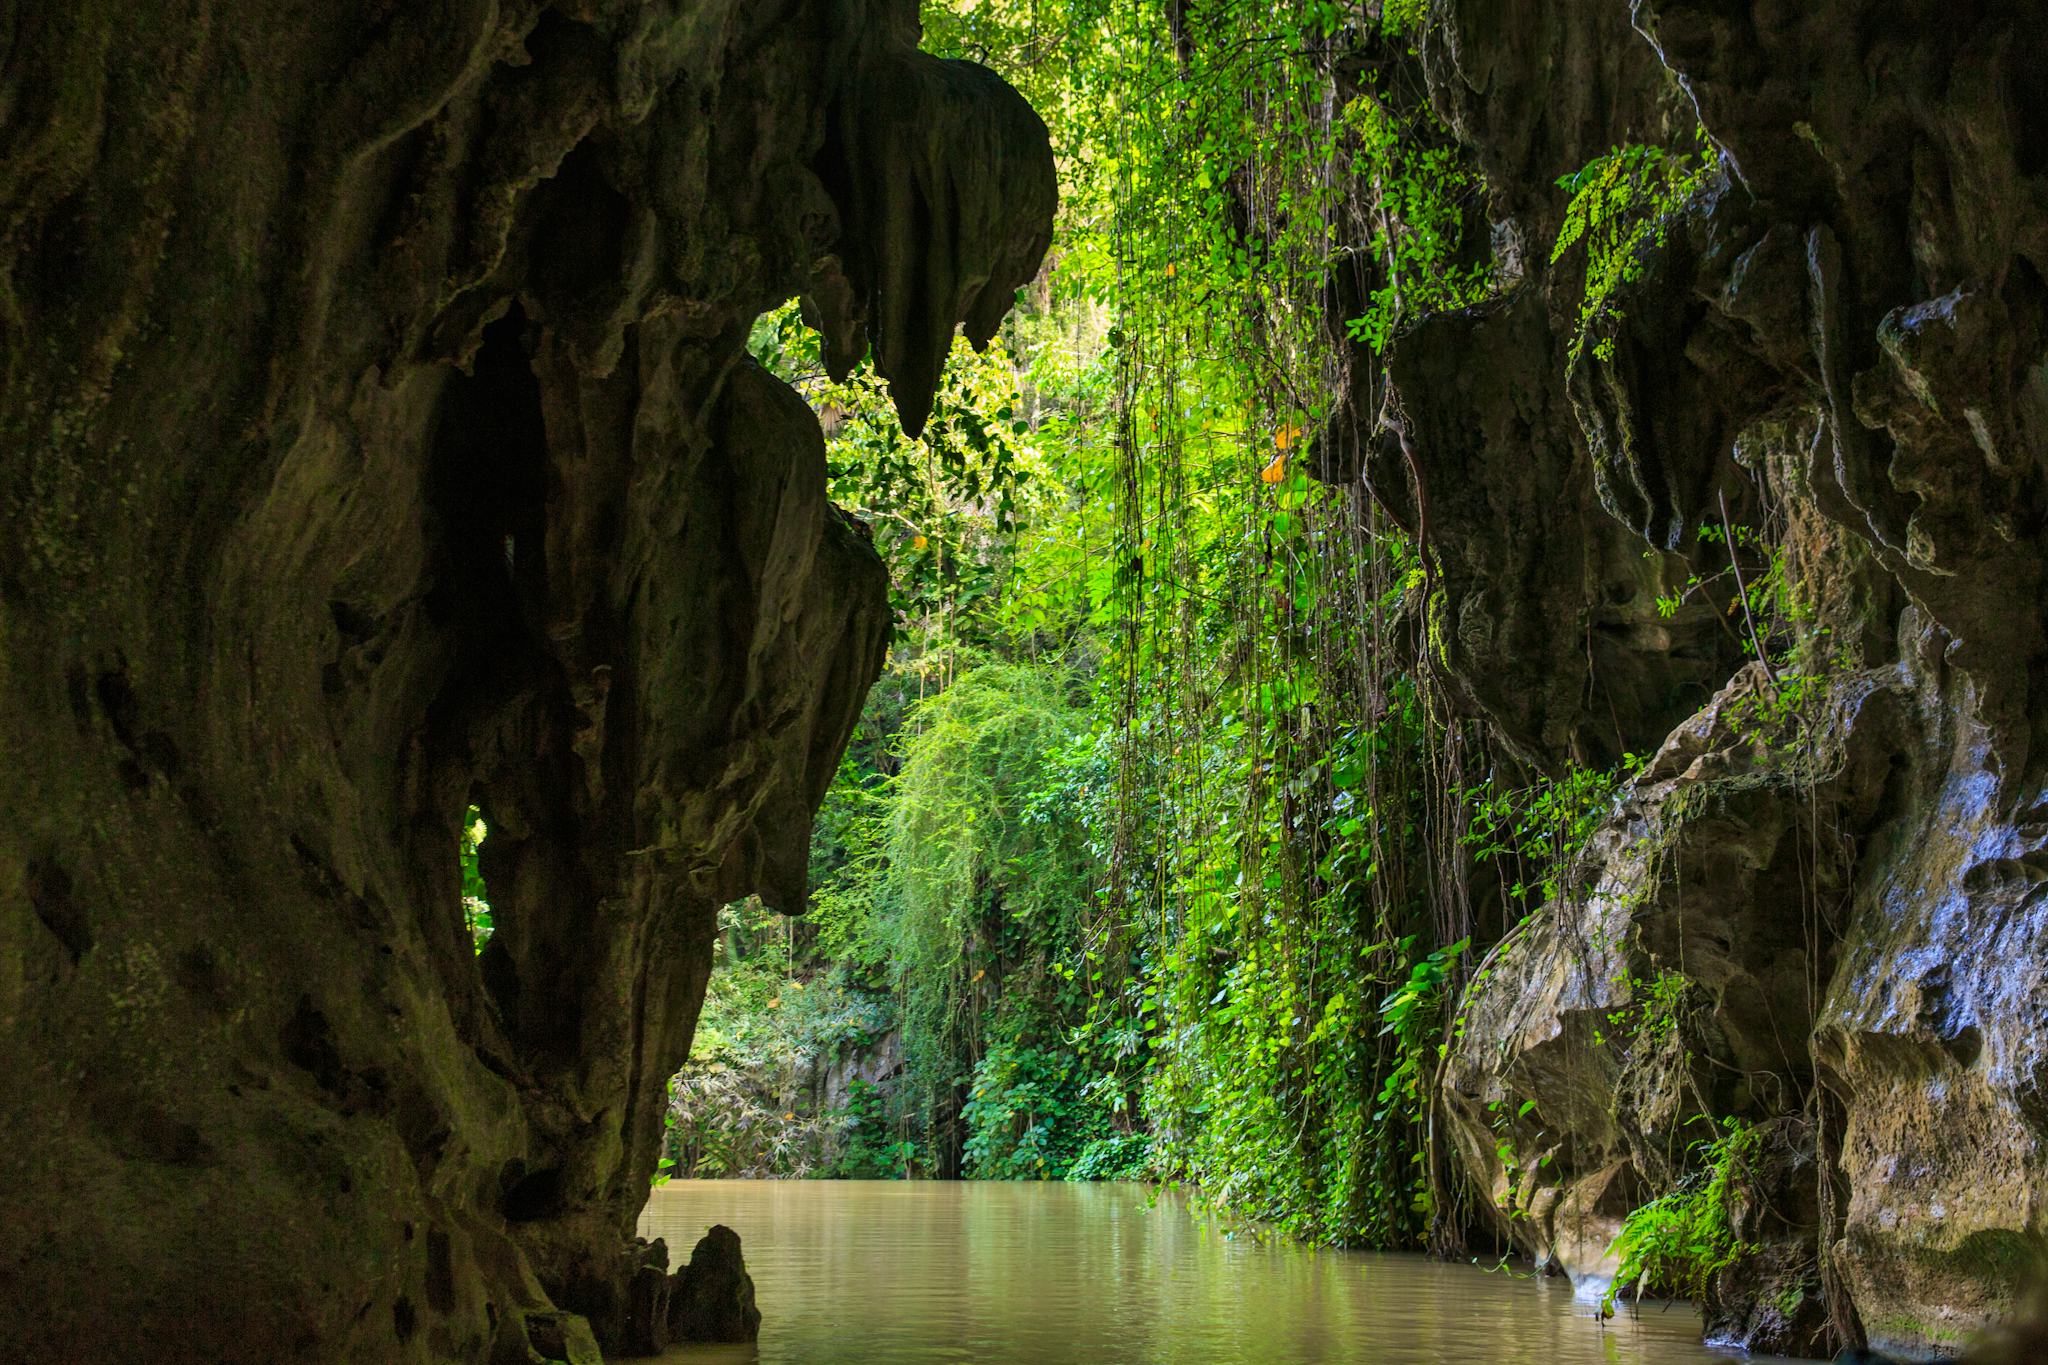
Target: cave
[(388, 448), (1498, 542)]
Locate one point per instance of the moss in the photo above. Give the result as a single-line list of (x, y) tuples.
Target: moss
[(1898, 1328), (2000, 1259), (1436, 626)]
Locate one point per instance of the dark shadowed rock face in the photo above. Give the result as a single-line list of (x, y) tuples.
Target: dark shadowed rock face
[(1845, 340), (712, 1298), (380, 441)]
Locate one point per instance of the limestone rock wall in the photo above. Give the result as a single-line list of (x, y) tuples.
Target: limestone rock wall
[(379, 440), (1837, 933)]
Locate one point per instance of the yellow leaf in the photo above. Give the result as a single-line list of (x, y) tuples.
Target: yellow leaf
[(1275, 471), (776, 1002), (979, 975), (918, 542), (1285, 437), (1169, 270), (789, 1115)]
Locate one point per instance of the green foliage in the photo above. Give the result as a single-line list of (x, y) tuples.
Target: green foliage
[(1676, 1244), (1117, 1156), (1656, 1008), (965, 831), (476, 897), (744, 1104), (1424, 191), (1403, 16), (952, 869), (941, 507), (849, 870), (1622, 206), (1539, 832), (1265, 840), (1026, 1116), (1413, 1016), (871, 1150), (987, 874)]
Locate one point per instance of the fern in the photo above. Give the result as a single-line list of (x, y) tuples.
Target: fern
[(1678, 1243), (1622, 205)]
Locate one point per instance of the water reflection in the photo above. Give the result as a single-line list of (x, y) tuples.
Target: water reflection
[(933, 1271)]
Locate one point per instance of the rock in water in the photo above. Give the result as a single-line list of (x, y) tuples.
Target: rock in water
[(712, 1298), (546, 1336), (647, 1294)]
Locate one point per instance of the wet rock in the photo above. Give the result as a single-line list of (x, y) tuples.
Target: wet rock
[(1843, 341), (712, 1298), (547, 1337), (1616, 1028), (647, 1295)]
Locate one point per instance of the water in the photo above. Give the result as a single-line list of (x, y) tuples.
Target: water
[(1050, 1274)]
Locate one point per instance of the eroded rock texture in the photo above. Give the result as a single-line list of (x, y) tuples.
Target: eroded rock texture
[(1838, 933), (379, 440), (712, 1297)]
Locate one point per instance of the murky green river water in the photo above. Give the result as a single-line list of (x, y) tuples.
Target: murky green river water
[(1046, 1274)]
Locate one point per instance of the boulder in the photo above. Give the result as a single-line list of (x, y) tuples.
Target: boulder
[(712, 1298)]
